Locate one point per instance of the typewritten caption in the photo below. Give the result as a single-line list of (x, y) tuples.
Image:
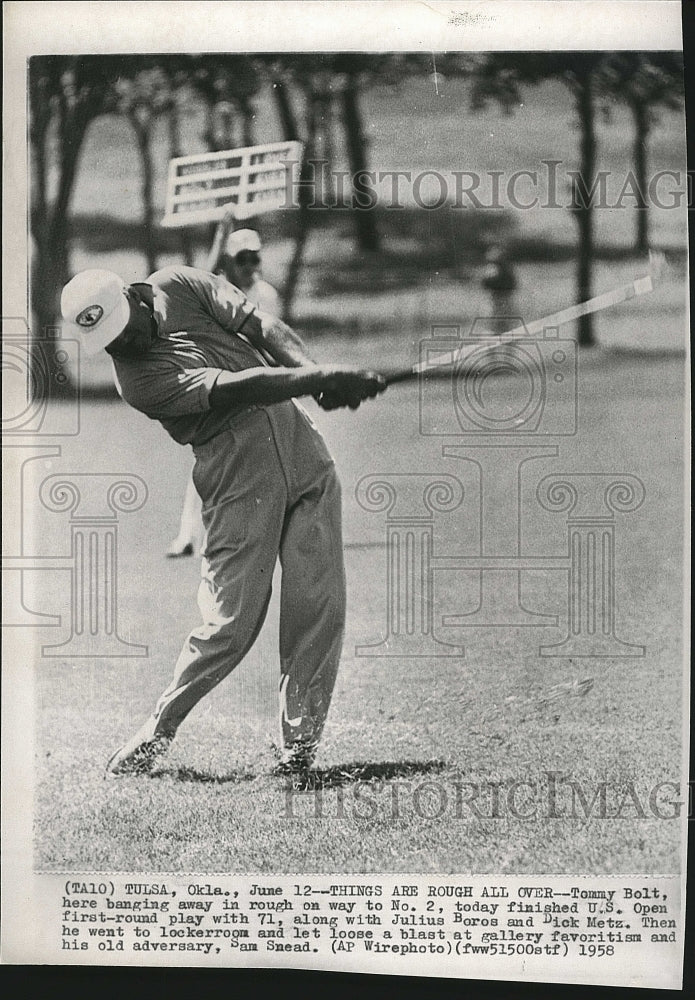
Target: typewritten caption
[(445, 923)]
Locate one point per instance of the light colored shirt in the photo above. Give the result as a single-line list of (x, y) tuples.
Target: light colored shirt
[(200, 319), (264, 296)]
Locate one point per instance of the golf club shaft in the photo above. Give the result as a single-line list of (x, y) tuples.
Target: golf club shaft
[(638, 287)]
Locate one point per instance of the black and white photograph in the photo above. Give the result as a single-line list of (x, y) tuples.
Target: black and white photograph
[(345, 371)]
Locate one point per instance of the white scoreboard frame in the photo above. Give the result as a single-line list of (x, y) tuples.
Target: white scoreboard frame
[(252, 179)]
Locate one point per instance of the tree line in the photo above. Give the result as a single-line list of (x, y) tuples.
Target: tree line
[(313, 93)]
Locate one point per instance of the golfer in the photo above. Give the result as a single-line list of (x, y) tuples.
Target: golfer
[(188, 349)]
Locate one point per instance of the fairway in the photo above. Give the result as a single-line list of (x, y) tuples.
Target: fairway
[(429, 764)]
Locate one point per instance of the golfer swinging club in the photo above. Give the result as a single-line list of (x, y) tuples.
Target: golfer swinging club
[(188, 350)]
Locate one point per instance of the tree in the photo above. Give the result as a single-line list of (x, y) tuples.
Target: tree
[(647, 82), (283, 102), (582, 84), (317, 78), (177, 70), (323, 97), (353, 68), (65, 94), (143, 93), (500, 77), (227, 85), (302, 72), (330, 88), (310, 76)]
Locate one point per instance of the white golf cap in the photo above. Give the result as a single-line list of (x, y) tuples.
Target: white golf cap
[(242, 239), (95, 307)]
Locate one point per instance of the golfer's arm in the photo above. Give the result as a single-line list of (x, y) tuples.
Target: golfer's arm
[(263, 386), (277, 339)]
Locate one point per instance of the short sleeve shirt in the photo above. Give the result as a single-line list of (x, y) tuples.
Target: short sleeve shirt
[(200, 319), (262, 294)]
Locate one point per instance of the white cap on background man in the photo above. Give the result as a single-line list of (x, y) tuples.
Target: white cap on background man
[(95, 307), (242, 239)]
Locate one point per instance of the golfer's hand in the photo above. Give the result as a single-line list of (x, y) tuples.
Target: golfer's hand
[(349, 387)]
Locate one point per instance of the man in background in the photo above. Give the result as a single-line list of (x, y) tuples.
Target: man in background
[(500, 281), (236, 256)]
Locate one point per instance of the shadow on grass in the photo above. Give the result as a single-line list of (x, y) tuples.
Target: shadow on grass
[(346, 774), (414, 243), (328, 777), (186, 774)]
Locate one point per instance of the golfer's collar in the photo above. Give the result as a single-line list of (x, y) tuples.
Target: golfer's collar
[(150, 294), (157, 314)]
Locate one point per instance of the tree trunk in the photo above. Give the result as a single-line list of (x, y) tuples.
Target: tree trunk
[(208, 135), (365, 222), (39, 196), (49, 275), (143, 128), (38, 216), (225, 134), (50, 225), (248, 122), (174, 129), (295, 265), (305, 197), (52, 264), (38, 129), (325, 117), (640, 116), (584, 211), (288, 120)]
